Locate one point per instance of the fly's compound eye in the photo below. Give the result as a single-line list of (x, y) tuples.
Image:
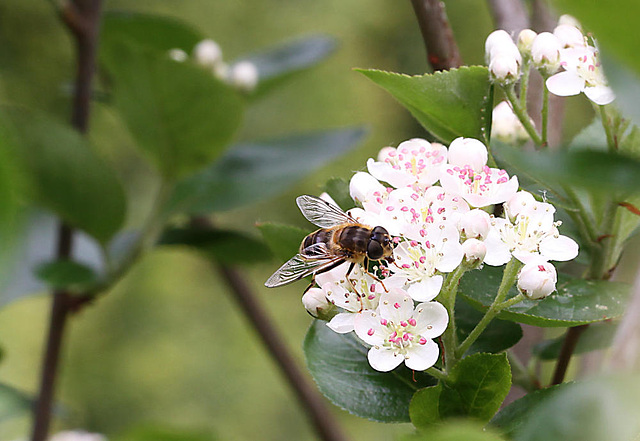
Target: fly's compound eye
[(374, 250)]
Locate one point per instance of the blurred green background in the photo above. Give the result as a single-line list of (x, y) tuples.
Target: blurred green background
[(167, 347)]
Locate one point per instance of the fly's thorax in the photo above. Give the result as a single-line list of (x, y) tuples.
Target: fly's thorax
[(354, 238)]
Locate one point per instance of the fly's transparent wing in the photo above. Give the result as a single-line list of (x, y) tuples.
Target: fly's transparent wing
[(322, 213), (311, 260)]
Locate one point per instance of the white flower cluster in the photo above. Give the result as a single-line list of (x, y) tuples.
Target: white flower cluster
[(435, 202), (565, 56), (243, 75)]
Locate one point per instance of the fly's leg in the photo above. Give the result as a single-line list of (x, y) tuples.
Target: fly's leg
[(353, 284), (373, 276)]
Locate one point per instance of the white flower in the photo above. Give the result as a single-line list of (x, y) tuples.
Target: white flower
[(528, 233), (416, 161), (506, 126), (474, 250), (316, 303), (569, 36), (500, 42), (468, 151), (367, 191), (545, 52), (582, 73), (504, 68), (207, 53), (475, 224), (397, 332), (418, 263), (537, 279), (525, 40), (566, 19), (178, 55), (479, 186), (77, 435), (244, 75)]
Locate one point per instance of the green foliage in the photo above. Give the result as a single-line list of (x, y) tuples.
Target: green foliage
[(180, 115), (475, 387), (66, 274), (255, 171), (284, 240), (454, 431), (338, 189), (576, 302), (448, 104), (67, 176), (163, 434), (595, 410), (223, 246), (13, 403), (597, 336), (339, 365), (278, 64), (513, 416), (497, 337)]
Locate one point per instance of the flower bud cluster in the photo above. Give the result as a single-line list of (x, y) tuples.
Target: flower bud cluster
[(435, 203), (566, 50), (242, 75)]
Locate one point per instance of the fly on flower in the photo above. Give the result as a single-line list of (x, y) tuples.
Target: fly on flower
[(340, 239)]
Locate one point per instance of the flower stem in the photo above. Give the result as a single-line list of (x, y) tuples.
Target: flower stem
[(437, 373), (522, 115), (608, 130), (545, 111), (447, 297), (524, 84), (508, 279)]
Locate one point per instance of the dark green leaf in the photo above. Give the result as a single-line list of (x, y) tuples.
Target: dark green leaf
[(179, 114), (68, 178), (448, 104), (597, 336), (338, 189), (476, 387), (66, 274), (594, 410), (339, 365), (454, 431), (279, 63), (513, 416), (151, 31), (225, 246), (256, 171), (497, 337), (576, 302), (424, 408), (284, 240), (13, 403)]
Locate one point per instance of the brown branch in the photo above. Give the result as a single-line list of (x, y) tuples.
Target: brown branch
[(509, 15), (442, 50), (568, 346), (83, 20)]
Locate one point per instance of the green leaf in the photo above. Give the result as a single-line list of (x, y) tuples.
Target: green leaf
[(13, 403), (454, 431), (577, 301), (66, 274), (338, 189), (597, 336), (224, 246), (497, 337), (339, 365), (594, 410), (279, 63), (448, 104), (424, 409), (476, 387), (179, 114), (151, 31), (284, 240), (513, 416), (255, 171), (67, 176)]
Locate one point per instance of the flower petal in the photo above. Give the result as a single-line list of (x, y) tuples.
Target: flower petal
[(384, 359), (368, 328), (561, 248), (565, 84), (342, 323), (431, 319), (600, 95), (420, 357), (426, 289), (396, 305)]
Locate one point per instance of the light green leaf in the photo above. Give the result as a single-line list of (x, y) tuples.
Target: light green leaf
[(66, 274), (67, 177), (597, 336), (448, 104), (424, 408), (224, 246), (179, 114), (255, 171), (13, 403), (279, 63), (577, 301), (284, 240), (455, 431), (163, 434), (339, 365)]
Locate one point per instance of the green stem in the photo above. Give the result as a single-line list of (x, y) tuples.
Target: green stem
[(508, 279), (545, 113), (437, 373), (606, 125), (521, 375), (447, 297), (522, 114), (524, 84)]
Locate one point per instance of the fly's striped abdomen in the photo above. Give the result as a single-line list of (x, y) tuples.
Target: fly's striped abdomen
[(321, 236), (355, 239)]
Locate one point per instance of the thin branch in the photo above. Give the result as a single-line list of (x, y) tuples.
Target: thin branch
[(82, 19), (442, 50), (509, 15), (568, 346)]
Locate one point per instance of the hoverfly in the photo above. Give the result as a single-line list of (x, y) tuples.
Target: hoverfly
[(340, 239)]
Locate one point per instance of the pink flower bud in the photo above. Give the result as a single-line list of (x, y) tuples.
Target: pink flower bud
[(525, 40), (545, 52), (569, 36), (504, 68), (537, 279), (475, 224), (474, 250), (468, 151), (316, 303)]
